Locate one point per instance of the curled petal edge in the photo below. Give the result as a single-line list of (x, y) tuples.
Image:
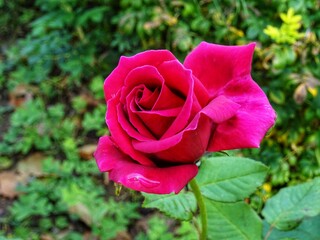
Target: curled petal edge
[(138, 177)]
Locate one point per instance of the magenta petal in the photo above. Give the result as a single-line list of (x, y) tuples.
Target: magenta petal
[(251, 122), (180, 80), (137, 122), (152, 80), (221, 109), (152, 179), (148, 98), (192, 144), (122, 140), (129, 128), (106, 154), (167, 99), (200, 92), (138, 177), (115, 81), (215, 65), (156, 123), (146, 75), (186, 146)]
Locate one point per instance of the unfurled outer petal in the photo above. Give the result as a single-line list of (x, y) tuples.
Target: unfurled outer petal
[(252, 120), (215, 65), (225, 71), (139, 177), (115, 81)]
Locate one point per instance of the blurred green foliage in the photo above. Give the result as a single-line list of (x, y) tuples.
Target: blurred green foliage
[(59, 52), (288, 32)]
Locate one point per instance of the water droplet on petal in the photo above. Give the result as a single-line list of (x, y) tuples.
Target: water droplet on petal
[(139, 179)]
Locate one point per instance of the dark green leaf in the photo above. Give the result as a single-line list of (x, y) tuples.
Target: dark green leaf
[(232, 221), (307, 230), (180, 206), (230, 179), (287, 208)]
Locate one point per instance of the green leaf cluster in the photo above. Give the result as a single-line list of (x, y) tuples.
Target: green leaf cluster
[(60, 202), (224, 189), (288, 32), (294, 212)]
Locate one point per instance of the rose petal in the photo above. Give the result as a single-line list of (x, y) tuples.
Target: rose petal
[(180, 80), (147, 76), (167, 99), (152, 179), (215, 65), (115, 81), (148, 98), (129, 128), (191, 143), (158, 122), (221, 109), (138, 177), (138, 122), (186, 146), (122, 139), (149, 123), (191, 146), (251, 122), (106, 154), (150, 78), (200, 92), (143, 125)]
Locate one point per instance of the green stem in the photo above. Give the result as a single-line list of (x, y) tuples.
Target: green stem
[(202, 207)]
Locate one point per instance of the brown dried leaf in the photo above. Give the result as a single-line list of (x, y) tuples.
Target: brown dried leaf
[(8, 183), (46, 237), (61, 235), (311, 81), (90, 100), (123, 236), (20, 95), (106, 180), (83, 212), (86, 151), (32, 165), (89, 236), (300, 93), (142, 225)]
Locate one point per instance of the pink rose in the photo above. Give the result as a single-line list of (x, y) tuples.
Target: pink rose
[(164, 115)]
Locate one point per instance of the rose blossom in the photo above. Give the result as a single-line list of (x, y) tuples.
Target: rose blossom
[(164, 115)]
